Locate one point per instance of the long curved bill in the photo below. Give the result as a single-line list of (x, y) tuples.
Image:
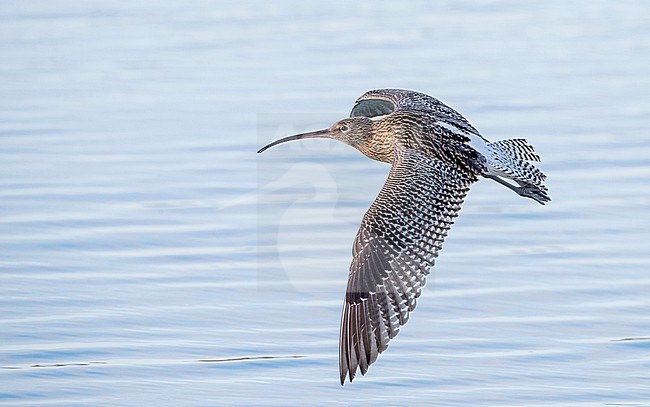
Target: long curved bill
[(312, 134)]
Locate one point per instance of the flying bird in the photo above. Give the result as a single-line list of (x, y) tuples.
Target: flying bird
[(435, 156)]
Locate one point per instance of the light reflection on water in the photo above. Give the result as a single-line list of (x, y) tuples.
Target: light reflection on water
[(149, 256)]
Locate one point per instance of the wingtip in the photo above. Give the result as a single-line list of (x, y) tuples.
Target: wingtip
[(345, 375), (343, 372)]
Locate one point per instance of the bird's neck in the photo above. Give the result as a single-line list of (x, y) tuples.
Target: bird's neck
[(379, 146)]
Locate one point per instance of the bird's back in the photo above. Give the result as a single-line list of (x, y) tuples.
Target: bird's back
[(408, 100), (423, 122)]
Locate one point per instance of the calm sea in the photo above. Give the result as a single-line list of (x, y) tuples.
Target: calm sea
[(148, 256)]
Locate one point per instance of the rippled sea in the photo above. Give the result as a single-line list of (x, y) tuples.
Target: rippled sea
[(148, 255)]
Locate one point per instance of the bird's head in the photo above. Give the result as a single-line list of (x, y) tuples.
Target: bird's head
[(354, 131)]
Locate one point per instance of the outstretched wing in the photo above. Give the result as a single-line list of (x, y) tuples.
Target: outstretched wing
[(399, 238), (381, 102)]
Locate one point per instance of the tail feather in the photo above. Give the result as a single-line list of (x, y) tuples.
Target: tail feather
[(518, 148), (510, 160)]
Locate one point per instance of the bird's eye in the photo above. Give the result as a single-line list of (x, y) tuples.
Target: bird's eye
[(344, 128)]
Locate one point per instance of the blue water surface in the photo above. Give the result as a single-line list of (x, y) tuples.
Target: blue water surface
[(148, 256)]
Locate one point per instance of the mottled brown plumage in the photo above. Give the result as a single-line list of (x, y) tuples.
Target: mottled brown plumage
[(436, 154)]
